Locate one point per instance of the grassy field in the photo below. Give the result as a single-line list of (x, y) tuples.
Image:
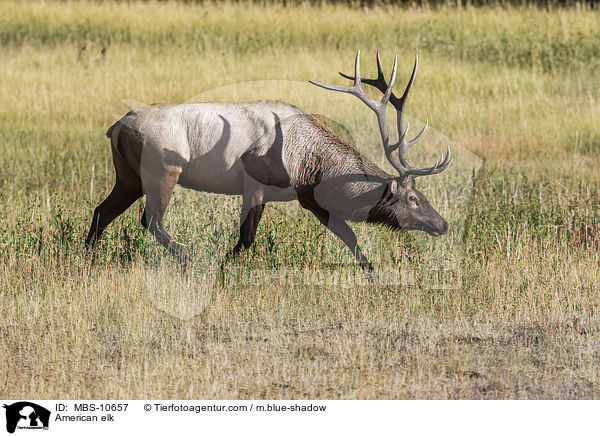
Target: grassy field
[(517, 87)]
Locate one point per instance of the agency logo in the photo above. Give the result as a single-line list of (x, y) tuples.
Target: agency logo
[(26, 415)]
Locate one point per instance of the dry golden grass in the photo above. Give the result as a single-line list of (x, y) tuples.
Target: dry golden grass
[(516, 86)]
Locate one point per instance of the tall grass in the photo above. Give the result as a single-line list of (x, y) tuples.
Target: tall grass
[(517, 86), (523, 36)]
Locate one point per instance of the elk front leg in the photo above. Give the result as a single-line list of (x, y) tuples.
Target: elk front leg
[(342, 230), (158, 193), (252, 209)]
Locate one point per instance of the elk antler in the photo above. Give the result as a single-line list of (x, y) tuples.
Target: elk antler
[(399, 162)]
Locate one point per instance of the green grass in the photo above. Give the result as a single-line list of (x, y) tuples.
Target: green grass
[(516, 86)]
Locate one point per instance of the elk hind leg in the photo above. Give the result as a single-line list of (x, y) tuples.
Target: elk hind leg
[(123, 195)]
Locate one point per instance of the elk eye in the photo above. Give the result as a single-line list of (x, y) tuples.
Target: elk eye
[(412, 199)]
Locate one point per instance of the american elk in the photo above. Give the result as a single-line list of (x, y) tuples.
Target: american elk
[(268, 151)]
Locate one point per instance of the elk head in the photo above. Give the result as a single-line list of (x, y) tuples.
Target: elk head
[(401, 206)]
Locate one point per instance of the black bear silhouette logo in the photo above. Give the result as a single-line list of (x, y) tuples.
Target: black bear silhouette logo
[(32, 416)]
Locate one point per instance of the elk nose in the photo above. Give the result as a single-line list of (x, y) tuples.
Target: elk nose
[(440, 229), (444, 228)]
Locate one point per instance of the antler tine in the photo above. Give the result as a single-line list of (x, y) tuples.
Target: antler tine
[(400, 117), (416, 138), (357, 69), (356, 89), (388, 92), (379, 68), (378, 83), (440, 165)]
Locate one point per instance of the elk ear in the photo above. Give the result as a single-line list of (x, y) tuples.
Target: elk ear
[(390, 189)]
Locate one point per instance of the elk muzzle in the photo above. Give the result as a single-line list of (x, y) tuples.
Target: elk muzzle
[(439, 228)]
